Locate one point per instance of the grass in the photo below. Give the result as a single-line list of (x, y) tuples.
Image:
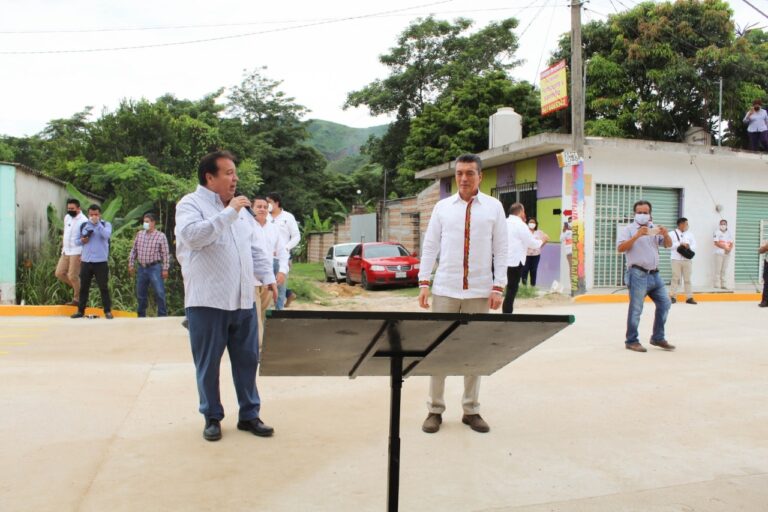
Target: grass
[(303, 280)]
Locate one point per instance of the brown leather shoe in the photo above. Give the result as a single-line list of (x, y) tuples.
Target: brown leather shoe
[(637, 347), (663, 344), (432, 423), (476, 423)]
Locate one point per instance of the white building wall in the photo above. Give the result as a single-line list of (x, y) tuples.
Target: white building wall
[(717, 181)]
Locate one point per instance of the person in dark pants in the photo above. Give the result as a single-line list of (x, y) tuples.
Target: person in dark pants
[(94, 238), (219, 253), (533, 255), (520, 239), (764, 302), (150, 253)]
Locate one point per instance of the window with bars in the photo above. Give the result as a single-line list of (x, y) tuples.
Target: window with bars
[(524, 193)]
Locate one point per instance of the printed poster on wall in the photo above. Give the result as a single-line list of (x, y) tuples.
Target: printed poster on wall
[(578, 281)]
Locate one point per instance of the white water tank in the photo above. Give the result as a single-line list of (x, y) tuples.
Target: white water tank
[(505, 127)]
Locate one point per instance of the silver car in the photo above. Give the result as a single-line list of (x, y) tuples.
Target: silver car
[(335, 263)]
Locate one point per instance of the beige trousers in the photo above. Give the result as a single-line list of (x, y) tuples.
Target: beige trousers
[(68, 272), (263, 296), (469, 401), (721, 267), (681, 268)]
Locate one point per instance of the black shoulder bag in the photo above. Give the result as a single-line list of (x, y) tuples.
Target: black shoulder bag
[(685, 252)]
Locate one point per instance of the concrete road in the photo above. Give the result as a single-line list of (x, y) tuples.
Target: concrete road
[(102, 415)]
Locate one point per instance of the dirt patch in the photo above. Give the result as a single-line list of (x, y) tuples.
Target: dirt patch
[(342, 297)]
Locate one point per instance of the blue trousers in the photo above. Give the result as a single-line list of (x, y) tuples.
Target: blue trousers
[(146, 276), (641, 284), (212, 330)]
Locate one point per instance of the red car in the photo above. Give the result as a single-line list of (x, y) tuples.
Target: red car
[(379, 263)]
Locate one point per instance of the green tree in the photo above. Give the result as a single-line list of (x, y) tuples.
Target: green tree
[(458, 122), (654, 70), (431, 59), (273, 135)]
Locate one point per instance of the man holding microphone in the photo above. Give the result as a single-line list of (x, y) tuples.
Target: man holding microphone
[(220, 256)]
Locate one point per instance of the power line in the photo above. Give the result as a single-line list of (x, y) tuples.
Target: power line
[(535, 16), (755, 8), (544, 48), (251, 23), (223, 38)]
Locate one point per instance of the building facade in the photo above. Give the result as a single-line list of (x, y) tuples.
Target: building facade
[(700, 182)]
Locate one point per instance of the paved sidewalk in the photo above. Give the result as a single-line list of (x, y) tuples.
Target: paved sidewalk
[(102, 415)]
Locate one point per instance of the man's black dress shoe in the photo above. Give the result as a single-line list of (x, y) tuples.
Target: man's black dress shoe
[(108, 315), (77, 315), (255, 427), (212, 430)]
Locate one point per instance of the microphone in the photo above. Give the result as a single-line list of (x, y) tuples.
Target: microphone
[(247, 208)]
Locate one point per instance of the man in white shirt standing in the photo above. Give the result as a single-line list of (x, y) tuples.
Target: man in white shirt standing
[(469, 232), (520, 239), (723, 241), (681, 265), (290, 236), (269, 238), (220, 256), (68, 268)]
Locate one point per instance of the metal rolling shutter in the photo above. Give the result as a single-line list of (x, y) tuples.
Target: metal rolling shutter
[(751, 208)]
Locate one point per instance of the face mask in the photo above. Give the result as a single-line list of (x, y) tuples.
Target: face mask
[(72, 213), (532, 225), (723, 227), (269, 207), (642, 218), (146, 225)]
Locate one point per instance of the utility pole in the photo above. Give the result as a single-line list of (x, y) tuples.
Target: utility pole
[(577, 84), (720, 116)]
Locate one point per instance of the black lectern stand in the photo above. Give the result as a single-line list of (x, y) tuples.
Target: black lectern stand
[(397, 344)]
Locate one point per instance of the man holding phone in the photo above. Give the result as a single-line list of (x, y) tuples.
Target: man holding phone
[(640, 243), (94, 239)]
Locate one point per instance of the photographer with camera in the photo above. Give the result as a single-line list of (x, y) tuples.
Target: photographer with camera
[(640, 242), (756, 120), (94, 239)]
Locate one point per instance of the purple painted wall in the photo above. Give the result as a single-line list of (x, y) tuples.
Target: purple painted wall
[(505, 174), (549, 266), (549, 177)]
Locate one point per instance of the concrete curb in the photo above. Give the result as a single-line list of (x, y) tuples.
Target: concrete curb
[(58, 311), (699, 297)]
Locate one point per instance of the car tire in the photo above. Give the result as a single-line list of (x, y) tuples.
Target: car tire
[(329, 279), (339, 279), (349, 280), (364, 281)]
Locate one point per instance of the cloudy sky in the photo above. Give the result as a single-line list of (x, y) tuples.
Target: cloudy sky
[(57, 56)]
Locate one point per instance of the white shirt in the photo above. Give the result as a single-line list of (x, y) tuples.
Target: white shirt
[(289, 229), (722, 236), (268, 238), (520, 239), (678, 237), (218, 252), (71, 232), (485, 250)]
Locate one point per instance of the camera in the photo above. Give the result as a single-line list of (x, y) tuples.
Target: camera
[(88, 233)]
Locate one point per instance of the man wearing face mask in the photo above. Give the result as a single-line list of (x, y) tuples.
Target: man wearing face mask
[(94, 239), (150, 254), (290, 236), (723, 241), (68, 268), (640, 243)]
